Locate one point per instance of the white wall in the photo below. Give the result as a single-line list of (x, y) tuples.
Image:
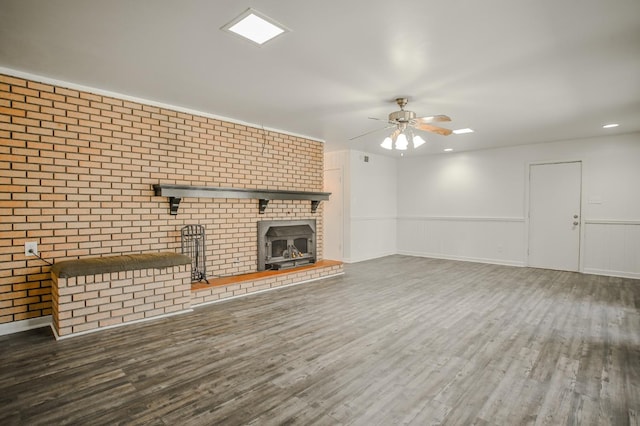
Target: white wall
[(370, 203), (373, 206), (471, 205)]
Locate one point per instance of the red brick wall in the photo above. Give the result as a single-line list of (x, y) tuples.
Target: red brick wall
[(76, 176)]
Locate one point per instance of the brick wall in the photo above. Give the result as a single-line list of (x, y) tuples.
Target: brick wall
[(76, 176)]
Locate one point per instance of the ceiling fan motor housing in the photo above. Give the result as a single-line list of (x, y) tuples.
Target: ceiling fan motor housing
[(401, 116), (404, 119)]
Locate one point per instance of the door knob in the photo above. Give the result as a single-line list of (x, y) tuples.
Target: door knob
[(575, 216), (576, 223)]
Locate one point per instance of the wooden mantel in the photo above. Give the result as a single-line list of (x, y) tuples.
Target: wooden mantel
[(177, 192)]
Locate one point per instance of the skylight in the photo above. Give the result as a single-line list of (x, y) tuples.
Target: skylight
[(255, 26)]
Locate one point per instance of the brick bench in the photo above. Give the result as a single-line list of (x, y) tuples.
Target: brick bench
[(93, 293)]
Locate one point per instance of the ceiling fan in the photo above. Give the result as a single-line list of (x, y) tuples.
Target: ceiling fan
[(402, 120)]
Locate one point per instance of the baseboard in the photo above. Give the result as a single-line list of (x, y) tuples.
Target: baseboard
[(82, 333), (594, 271), (463, 258), (24, 325), (609, 273), (364, 259)]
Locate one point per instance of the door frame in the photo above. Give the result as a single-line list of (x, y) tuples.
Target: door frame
[(342, 222), (527, 213)]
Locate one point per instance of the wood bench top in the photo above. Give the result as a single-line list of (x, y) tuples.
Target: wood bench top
[(126, 262)]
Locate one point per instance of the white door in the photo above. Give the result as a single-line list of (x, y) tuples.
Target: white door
[(333, 215), (554, 215)]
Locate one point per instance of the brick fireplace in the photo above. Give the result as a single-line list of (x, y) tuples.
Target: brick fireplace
[(78, 175)]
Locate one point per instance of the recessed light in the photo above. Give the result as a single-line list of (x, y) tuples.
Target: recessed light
[(255, 26), (448, 149), (462, 131), (609, 126)]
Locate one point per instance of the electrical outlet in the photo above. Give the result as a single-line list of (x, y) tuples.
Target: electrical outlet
[(30, 248)]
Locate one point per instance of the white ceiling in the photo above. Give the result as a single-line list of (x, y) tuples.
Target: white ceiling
[(515, 71)]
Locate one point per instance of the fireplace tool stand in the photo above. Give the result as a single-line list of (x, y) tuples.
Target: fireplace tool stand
[(193, 246)]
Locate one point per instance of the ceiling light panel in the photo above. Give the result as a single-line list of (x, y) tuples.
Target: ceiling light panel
[(255, 26), (462, 131)]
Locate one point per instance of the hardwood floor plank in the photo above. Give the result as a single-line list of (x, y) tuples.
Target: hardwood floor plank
[(396, 340)]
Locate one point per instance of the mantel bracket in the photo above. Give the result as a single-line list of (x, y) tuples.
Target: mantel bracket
[(174, 203), (314, 205), (262, 205)]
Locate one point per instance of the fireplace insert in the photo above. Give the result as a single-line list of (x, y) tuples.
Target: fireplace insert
[(286, 243)]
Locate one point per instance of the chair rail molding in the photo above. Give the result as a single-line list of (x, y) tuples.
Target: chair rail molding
[(611, 222), (465, 218)]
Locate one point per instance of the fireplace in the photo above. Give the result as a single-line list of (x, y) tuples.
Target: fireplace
[(286, 243)]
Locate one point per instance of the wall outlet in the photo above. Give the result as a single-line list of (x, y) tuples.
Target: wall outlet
[(30, 248)]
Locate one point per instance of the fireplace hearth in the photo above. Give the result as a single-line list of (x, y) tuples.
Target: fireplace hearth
[(286, 243)]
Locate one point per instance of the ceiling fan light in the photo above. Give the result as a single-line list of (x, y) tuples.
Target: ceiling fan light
[(387, 143), (401, 142), (418, 141)]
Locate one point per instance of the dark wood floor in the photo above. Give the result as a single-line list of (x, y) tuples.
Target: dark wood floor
[(400, 340)]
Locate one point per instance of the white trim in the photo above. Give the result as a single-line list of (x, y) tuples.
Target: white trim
[(594, 271), (609, 273), (463, 258), (74, 86), (364, 259), (465, 218), (211, 302), (371, 218), (82, 333), (24, 325), (611, 222), (334, 197)]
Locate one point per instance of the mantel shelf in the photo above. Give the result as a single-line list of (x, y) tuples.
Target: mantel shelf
[(177, 192)]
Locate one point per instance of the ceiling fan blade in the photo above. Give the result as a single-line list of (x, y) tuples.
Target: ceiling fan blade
[(372, 131), (376, 118), (432, 119), (433, 129)]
